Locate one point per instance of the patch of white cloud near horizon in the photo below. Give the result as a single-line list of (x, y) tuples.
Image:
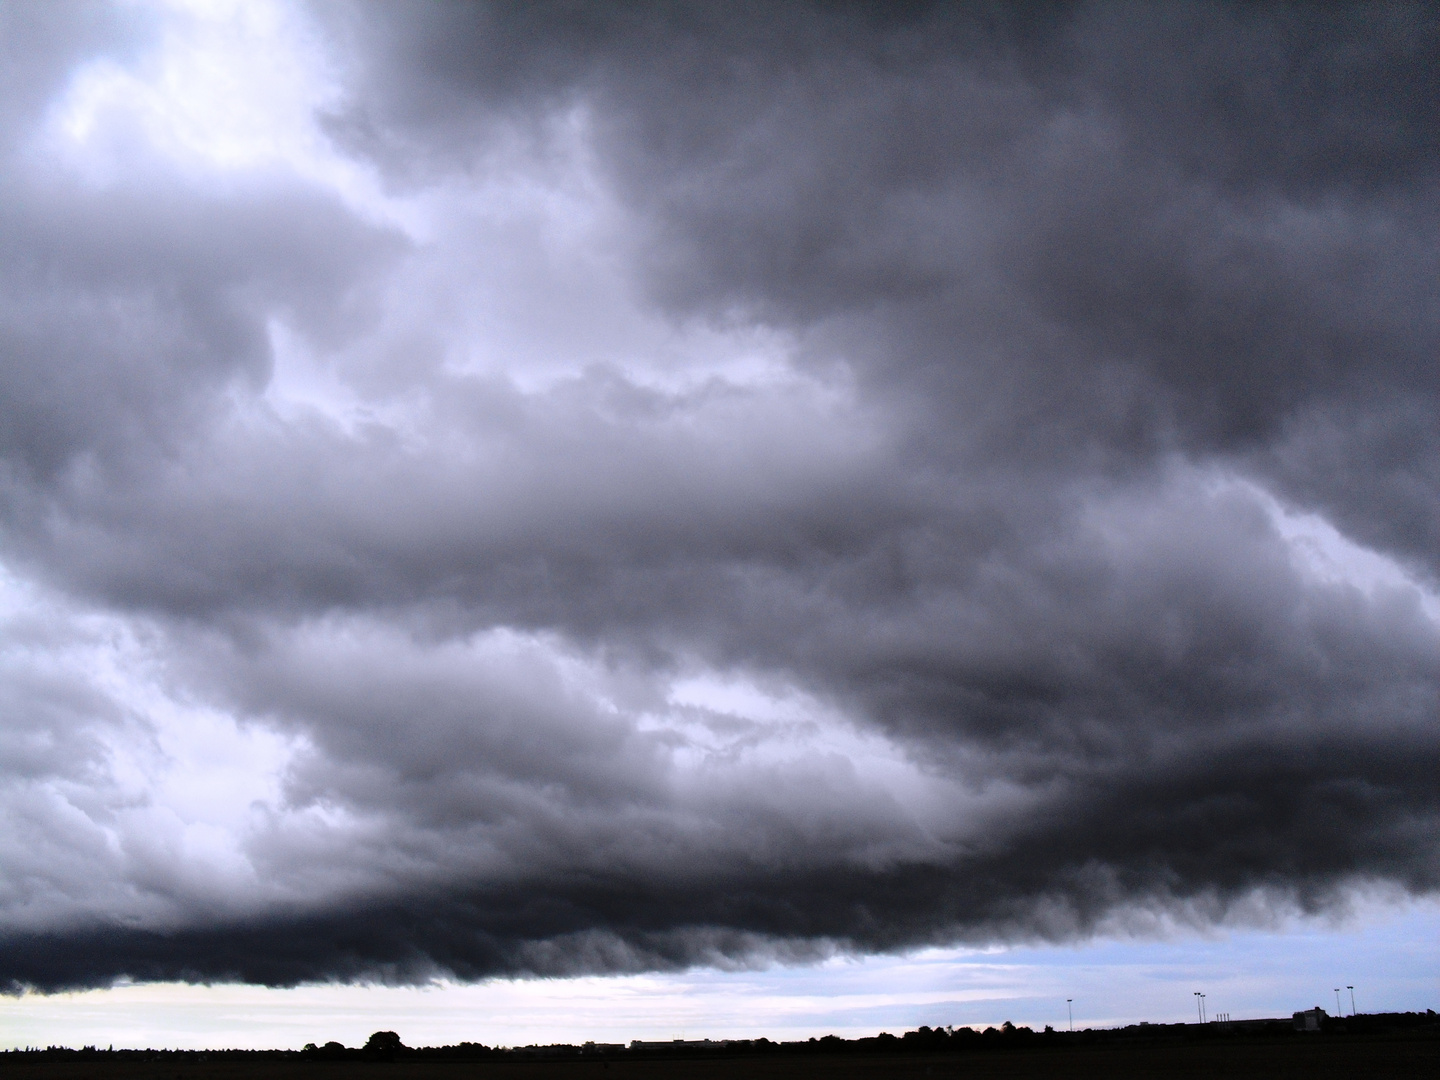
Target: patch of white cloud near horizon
[(190, 808), (537, 756), (137, 802)]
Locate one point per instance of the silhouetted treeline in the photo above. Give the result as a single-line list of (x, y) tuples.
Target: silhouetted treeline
[(387, 1046)]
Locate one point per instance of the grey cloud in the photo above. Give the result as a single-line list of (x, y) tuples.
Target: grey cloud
[(131, 296), (547, 487), (1137, 227), (125, 311), (1078, 309)]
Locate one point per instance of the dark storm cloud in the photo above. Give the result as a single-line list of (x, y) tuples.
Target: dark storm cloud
[(1149, 224), (1074, 294)]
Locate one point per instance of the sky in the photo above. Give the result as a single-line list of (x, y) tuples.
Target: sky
[(565, 520)]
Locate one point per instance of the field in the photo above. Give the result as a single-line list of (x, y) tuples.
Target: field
[(1308, 1058)]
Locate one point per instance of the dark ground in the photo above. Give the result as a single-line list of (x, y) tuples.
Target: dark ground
[(1314, 1060), (1386, 1045)]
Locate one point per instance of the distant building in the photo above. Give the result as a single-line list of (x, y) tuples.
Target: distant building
[(1310, 1019), (678, 1044), (602, 1048)]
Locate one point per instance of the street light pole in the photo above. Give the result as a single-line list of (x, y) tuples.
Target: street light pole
[(1339, 1009), (1070, 1012), (1352, 999), (1202, 1008)]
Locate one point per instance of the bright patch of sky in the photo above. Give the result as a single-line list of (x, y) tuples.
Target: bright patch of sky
[(157, 782), (521, 282), (1331, 557), (232, 87)]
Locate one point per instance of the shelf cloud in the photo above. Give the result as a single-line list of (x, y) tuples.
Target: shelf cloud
[(561, 488)]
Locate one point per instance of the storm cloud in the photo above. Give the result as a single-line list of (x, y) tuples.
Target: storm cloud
[(559, 488)]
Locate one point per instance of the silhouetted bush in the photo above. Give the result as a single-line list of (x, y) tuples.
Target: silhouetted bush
[(383, 1045)]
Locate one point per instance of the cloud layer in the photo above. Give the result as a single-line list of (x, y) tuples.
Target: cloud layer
[(554, 489)]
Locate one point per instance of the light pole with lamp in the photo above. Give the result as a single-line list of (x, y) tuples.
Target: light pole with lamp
[(1352, 999), (1070, 1012), (1198, 1015)]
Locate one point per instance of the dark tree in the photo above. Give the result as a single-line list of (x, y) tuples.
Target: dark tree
[(384, 1044)]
